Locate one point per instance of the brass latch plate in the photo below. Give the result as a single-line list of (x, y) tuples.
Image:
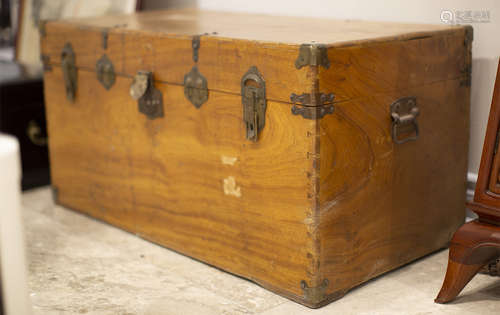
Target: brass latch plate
[(253, 98)]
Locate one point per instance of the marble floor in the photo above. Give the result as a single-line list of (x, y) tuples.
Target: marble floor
[(78, 265)]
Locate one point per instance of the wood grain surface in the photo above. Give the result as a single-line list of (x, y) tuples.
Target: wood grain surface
[(315, 206), (259, 27), (384, 204), (164, 179)]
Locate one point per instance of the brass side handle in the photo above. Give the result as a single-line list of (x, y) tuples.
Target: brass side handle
[(404, 112)]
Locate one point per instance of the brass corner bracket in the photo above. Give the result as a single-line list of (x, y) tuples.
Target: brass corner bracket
[(312, 55), (314, 295)]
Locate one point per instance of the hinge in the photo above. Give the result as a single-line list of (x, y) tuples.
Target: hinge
[(312, 55), (314, 295), (104, 38), (253, 98), (195, 43), (312, 106)]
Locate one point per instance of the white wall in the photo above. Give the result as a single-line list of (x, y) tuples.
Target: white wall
[(486, 45)]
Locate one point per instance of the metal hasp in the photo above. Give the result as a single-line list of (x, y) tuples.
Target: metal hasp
[(195, 44), (314, 295), (253, 98), (404, 112), (104, 38), (195, 84), (69, 71), (312, 55), (312, 108), (149, 98), (105, 72)]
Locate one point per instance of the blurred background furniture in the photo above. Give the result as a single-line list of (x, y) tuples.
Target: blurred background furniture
[(477, 243), (22, 109), (22, 114)]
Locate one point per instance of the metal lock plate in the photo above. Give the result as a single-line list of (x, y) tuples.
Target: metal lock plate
[(69, 71), (195, 87), (404, 112), (105, 72), (253, 98), (149, 98)]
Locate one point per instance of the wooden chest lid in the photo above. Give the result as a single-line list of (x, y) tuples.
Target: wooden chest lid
[(258, 27), (229, 45)]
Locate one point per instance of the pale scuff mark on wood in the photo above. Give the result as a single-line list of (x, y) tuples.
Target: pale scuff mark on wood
[(230, 187), (228, 160)]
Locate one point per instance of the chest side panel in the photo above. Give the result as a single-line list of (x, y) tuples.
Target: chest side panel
[(383, 204)]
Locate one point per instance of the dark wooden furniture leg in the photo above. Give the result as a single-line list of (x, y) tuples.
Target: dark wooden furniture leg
[(474, 245)]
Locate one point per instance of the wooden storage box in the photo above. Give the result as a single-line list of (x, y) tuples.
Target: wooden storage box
[(306, 155)]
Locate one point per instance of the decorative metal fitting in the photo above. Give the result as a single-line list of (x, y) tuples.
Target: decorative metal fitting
[(312, 107), (195, 87), (149, 99), (105, 72)]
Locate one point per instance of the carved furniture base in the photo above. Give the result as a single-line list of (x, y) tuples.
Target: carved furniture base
[(473, 246)]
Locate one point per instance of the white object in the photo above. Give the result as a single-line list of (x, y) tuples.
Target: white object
[(12, 257)]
